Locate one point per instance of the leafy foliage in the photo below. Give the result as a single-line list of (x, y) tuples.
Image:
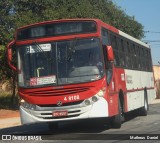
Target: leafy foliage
[(5, 71)]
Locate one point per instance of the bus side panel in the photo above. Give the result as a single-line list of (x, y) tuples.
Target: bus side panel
[(121, 85), (136, 83), (120, 79), (118, 83), (113, 104)]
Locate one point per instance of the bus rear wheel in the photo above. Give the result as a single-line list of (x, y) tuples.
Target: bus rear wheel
[(145, 108)]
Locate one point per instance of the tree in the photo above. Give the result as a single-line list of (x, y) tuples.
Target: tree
[(17, 13), (6, 21), (4, 70)]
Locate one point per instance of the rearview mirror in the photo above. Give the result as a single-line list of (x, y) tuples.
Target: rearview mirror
[(10, 54), (109, 51)]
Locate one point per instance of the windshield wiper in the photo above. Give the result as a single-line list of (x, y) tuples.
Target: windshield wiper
[(72, 49)]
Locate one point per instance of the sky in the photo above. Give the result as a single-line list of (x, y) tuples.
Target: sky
[(146, 12)]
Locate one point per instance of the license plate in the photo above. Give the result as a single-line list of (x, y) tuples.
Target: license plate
[(60, 113)]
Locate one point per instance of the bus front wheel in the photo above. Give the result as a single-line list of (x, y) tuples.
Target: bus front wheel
[(116, 121)]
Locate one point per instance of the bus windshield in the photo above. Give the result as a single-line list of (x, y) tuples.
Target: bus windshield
[(60, 63)]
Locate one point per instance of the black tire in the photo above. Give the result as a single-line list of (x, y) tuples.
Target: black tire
[(53, 126), (145, 108), (116, 121)]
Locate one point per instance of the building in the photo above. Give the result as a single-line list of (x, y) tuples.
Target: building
[(156, 69)]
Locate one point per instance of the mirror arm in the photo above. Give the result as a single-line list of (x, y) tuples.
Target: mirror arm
[(9, 56)]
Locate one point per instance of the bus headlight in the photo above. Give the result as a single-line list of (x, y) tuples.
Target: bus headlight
[(27, 105), (94, 98), (87, 102), (102, 92)]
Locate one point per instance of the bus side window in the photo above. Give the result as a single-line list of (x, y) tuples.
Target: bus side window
[(142, 59), (138, 57), (126, 54), (105, 38), (121, 53), (145, 59), (129, 55), (134, 56), (149, 60), (115, 49)]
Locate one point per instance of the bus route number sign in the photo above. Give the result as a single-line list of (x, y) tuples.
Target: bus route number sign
[(72, 98)]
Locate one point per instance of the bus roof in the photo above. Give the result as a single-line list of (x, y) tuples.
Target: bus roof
[(57, 21), (125, 35)]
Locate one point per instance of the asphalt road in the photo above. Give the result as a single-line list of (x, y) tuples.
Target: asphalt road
[(134, 127)]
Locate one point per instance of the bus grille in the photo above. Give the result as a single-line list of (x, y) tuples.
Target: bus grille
[(61, 117), (64, 104), (58, 92), (72, 112)]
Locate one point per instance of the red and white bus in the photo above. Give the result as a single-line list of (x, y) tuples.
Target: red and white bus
[(78, 69)]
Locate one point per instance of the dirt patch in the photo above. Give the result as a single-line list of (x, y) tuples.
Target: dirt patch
[(8, 113)]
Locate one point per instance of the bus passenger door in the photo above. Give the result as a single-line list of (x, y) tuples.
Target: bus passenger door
[(111, 82)]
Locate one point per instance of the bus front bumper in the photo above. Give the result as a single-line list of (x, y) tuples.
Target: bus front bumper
[(75, 112)]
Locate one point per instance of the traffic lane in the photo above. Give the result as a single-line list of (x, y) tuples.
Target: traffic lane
[(149, 124), (78, 130), (81, 126), (135, 124), (94, 129)]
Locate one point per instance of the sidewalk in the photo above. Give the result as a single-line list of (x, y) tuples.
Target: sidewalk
[(10, 120), (156, 101)]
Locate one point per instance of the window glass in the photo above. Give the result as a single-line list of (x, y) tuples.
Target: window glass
[(57, 29), (105, 37), (60, 62)]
